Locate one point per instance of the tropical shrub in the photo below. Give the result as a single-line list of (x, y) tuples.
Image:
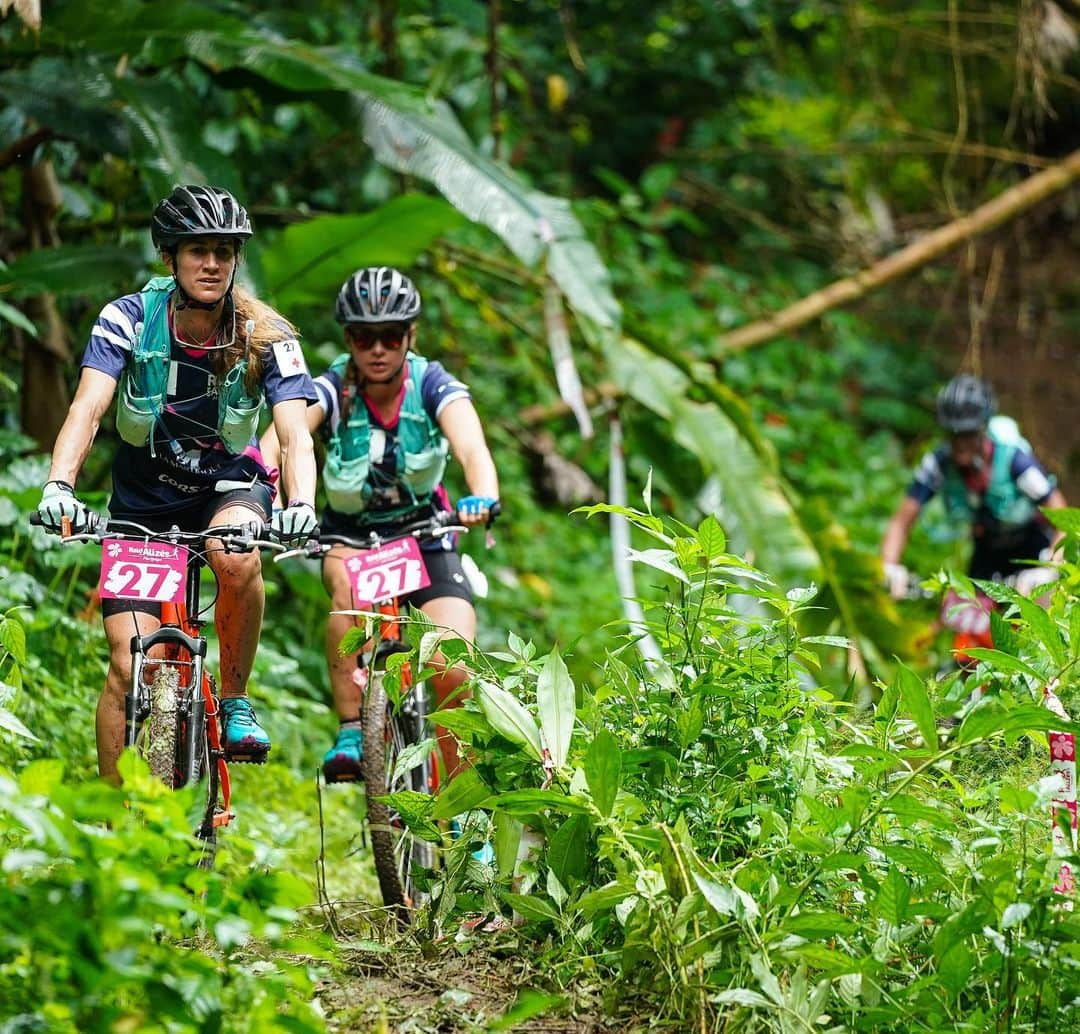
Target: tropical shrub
[(725, 837), (106, 923)]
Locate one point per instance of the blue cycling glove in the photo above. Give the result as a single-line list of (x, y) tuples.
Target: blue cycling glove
[(478, 506)]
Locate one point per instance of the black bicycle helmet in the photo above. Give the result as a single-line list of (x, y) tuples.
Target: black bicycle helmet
[(965, 404), (378, 294), (196, 211)]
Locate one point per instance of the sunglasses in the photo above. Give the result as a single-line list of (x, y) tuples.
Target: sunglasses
[(366, 337)]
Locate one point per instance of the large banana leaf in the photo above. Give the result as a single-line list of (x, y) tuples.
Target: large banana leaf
[(71, 98), (794, 541), (166, 136), (562, 358), (754, 509), (309, 261), (407, 130), (433, 145), (70, 269)]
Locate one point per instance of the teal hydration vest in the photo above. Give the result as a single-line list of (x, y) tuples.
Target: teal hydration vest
[(145, 381), (421, 449), (1002, 499)]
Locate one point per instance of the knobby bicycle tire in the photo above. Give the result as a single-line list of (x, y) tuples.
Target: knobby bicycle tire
[(160, 730), (394, 849)]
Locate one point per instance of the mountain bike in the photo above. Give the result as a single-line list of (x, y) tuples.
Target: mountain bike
[(969, 621), (399, 746), (171, 709)]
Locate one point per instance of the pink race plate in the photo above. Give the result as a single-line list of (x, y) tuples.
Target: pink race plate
[(150, 571), (395, 569)]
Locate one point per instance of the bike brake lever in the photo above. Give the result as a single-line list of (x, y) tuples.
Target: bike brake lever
[(287, 553), (448, 529)]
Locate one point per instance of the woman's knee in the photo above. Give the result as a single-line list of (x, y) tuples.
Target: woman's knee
[(336, 583), (454, 615), (238, 571)]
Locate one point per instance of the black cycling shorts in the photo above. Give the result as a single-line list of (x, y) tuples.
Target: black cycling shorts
[(195, 516), (1000, 556)]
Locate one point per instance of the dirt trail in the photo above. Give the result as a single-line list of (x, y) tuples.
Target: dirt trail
[(482, 982)]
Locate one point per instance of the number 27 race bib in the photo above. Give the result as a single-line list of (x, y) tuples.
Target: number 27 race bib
[(149, 571), (395, 569)]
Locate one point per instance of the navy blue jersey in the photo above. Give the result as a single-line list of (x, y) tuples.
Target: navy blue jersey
[(154, 479), (1025, 470), (437, 391)]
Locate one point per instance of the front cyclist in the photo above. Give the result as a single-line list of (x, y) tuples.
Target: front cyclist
[(390, 417), (988, 477), (194, 357)]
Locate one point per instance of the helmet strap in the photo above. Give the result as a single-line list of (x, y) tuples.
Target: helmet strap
[(397, 373)]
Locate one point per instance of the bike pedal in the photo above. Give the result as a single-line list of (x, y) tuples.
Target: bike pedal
[(246, 759), (341, 779)]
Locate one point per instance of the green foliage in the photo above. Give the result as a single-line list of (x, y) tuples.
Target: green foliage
[(306, 261), (12, 658), (724, 160), (107, 921), (146, 939), (730, 843), (70, 270)]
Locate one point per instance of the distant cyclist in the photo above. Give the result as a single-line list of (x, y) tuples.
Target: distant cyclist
[(192, 357), (390, 418), (988, 477)]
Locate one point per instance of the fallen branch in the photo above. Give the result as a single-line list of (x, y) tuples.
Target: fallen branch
[(541, 413), (986, 217)]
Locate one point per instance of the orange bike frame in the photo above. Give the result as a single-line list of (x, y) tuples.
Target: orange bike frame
[(390, 630), (176, 614)]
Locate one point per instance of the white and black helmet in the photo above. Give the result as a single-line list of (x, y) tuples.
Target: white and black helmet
[(197, 211), (378, 294), (965, 404)]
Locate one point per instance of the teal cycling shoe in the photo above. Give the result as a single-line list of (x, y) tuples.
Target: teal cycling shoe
[(243, 738), (485, 853), (343, 762)]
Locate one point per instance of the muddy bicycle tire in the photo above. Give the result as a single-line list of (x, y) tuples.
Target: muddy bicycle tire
[(160, 730), (394, 849)]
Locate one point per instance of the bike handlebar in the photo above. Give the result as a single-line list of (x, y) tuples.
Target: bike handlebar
[(241, 538), (436, 526)]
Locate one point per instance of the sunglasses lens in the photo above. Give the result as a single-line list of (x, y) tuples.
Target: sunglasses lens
[(365, 338)]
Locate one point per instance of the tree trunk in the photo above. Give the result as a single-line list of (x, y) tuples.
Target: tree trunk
[(986, 217), (494, 72), (45, 392), (386, 27)]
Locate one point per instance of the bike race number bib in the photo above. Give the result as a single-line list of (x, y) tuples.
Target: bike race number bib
[(395, 569), (154, 572)]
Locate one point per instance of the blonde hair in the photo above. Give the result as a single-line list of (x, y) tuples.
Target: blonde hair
[(270, 326)]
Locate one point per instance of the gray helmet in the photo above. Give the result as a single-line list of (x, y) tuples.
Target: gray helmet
[(965, 404), (378, 294), (195, 211)]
